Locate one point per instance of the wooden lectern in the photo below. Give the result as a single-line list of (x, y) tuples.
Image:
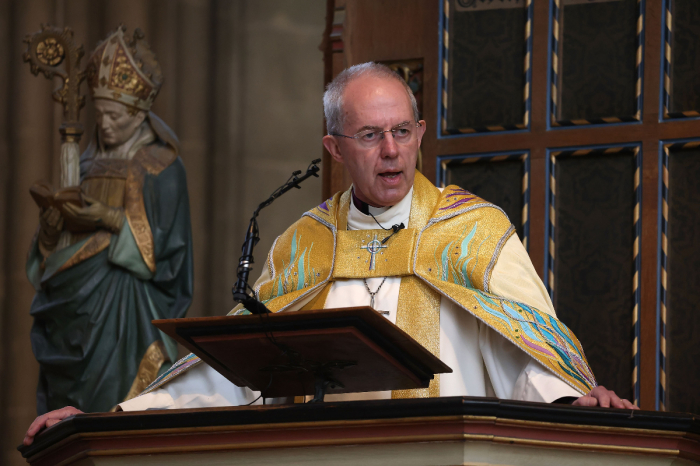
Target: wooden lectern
[(308, 352)]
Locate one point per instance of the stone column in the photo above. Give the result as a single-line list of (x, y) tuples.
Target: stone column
[(194, 94), (229, 220)]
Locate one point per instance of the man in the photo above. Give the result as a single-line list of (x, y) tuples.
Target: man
[(456, 278), (131, 260)]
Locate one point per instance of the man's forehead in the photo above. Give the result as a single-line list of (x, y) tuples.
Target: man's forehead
[(370, 89), (381, 99)]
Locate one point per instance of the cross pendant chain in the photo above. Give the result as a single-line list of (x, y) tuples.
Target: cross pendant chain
[(372, 294)]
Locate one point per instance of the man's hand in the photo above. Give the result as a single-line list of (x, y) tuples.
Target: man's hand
[(51, 225), (601, 396), (95, 215), (47, 420)]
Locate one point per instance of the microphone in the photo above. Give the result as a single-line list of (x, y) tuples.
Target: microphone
[(245, 263)]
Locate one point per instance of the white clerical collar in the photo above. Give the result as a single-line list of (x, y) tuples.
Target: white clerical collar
[(386, 216)]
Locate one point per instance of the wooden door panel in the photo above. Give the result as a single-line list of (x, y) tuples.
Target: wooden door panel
[(596, 58), (682, 59), (485, 66), (679, 351), (593, 267)]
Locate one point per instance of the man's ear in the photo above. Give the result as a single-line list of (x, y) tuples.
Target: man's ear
[(331, 145), (421, 131)]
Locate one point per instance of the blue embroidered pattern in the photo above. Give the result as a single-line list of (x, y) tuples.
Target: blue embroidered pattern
[(297, 274), (455, 266), (541, 333)]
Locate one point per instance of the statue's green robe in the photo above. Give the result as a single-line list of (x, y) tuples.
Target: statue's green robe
[(95, 299)]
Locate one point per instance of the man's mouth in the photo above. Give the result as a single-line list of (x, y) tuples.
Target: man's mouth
[(390, 175)]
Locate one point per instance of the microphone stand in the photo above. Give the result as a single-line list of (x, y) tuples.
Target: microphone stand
[(245, 263)]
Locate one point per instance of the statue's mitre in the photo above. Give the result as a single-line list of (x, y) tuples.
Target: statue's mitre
[(125, 71)]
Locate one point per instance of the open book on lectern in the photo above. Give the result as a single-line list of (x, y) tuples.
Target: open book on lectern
[(312, 352)]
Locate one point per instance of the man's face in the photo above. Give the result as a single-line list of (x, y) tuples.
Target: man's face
[(382, 175), (115, 124)]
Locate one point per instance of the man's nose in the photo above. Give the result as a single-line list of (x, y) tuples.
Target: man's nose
[(388, 145)]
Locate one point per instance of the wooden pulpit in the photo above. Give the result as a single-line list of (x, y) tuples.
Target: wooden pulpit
[(427, 431), (346, 350)]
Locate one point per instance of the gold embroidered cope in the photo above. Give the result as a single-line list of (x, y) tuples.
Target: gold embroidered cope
[(450, 248)]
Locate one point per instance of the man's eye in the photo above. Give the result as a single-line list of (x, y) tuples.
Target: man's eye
[(402, 132), (369, 136)]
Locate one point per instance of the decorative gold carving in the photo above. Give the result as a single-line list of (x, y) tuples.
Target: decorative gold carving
[(50, 52), (152, 360), (53, 52)]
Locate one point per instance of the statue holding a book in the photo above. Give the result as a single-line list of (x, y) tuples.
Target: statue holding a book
[(114, 252)]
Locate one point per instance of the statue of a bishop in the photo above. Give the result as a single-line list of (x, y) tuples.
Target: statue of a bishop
[(127, 258)]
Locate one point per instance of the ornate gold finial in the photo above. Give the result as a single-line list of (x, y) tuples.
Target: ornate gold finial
[(50, 52), (125, 70), (53, 52)]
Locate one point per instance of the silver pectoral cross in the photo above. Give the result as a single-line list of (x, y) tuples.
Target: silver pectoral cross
[(373, 247)]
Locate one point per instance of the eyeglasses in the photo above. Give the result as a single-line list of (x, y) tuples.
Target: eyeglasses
[(372, 137)]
